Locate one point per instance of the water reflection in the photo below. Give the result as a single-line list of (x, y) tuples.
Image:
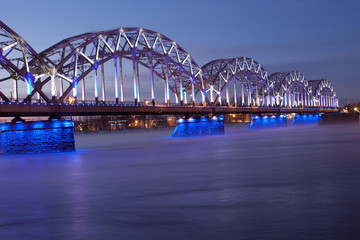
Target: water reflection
[(287, 183), (116, 123)]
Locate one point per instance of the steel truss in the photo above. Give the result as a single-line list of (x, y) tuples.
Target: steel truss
[(242, 72), (56, 73), (292, 89), (323, 93)]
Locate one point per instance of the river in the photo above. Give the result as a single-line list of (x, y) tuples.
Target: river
[(298, 182)]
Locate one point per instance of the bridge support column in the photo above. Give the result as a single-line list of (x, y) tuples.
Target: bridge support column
[(181, 89), (96, 87), (235, 97), (83, 90), (227, 94), (116, 78), (138, 81), (167, 90), (257, 94), (121, 81), (152, 81), (103, 83), (242, 94), (36, 137), (249, 96), (135, 80)]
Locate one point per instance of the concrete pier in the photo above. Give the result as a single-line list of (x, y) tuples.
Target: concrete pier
[(37, 137), (203, 126)]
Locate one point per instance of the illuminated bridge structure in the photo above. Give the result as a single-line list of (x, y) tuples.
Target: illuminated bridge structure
[(139, 71)]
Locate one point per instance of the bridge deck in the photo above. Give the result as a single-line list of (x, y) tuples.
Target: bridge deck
[(42, 109)]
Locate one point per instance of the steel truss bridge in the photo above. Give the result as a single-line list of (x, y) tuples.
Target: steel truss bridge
[(99, 72)]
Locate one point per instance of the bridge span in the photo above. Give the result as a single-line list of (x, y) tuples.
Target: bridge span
[(89, 109)]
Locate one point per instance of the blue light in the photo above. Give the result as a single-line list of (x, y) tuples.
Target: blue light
[(96, 65), (191, 119), (30, 79), (75, 83), (180, 120)]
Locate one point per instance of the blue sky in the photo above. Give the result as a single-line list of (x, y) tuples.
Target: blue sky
[(320, 38)]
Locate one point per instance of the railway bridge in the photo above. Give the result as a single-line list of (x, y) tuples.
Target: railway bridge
[(139, 71)]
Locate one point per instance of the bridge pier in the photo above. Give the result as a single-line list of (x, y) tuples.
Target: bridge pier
[(203, 126), (36, 137)]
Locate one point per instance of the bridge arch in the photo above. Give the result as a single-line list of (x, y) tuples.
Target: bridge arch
[(255, 86), (19, 64), (323, 93), (292, 89), (73, 59)]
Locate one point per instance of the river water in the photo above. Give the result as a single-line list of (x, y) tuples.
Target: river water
[(299, 182)]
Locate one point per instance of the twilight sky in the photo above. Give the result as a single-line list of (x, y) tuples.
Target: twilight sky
[(320, 38)]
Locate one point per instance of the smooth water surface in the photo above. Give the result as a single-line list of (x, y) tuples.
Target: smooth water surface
[(299, 182)]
